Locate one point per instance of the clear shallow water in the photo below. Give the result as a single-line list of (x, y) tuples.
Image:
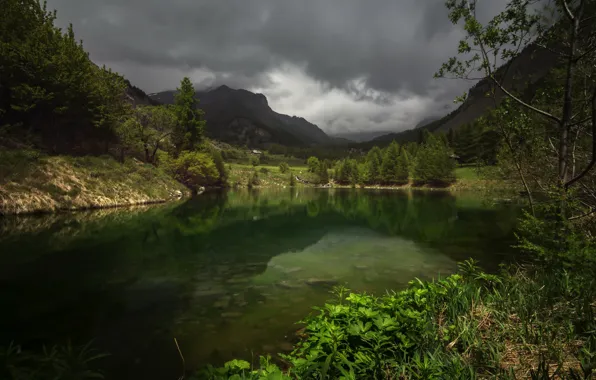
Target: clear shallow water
[(227, 274)]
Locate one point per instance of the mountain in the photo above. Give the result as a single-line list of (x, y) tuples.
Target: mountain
[(137, 97), (426, 121), (525, 73), (359, 136), (245, 118)]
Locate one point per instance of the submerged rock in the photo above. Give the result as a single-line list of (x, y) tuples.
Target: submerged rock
[(320, 282), (222, 303), (287, 285), (231, 314)]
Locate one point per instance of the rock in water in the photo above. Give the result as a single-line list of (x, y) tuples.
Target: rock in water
[(320, 282)]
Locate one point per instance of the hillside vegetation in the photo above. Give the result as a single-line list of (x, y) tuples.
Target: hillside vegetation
[(30, 182)]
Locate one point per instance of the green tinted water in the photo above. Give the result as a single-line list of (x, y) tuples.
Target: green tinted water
[(227, 274)]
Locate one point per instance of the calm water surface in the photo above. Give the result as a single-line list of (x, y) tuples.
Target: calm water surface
[(227, 274)]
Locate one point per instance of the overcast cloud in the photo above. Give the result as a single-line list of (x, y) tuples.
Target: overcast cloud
[(345, 65)]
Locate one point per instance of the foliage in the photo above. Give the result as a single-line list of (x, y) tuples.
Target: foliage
[(347, 172), (284, 167), (255, 161), (57, 362), (254, 180), (546, 128), (189, 129), (220, 165), (146, 130), (323, 173), (52, 94), (193, 169), (241, 370), (395, 168), (434, 164), (475, 143), (313, 164), (292, 182), (374, 161), (472, 324)]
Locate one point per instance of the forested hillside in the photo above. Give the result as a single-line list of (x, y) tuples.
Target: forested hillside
[(55, 101)]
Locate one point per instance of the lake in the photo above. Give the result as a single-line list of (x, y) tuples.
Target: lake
[(227, 274)]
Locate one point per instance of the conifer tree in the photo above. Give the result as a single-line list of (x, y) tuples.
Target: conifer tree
[(189, 130), (323, 173), (403, 168), (374, 162), (434, 164), (390, 165)]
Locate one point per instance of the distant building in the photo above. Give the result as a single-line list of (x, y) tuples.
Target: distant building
[(254, 151)]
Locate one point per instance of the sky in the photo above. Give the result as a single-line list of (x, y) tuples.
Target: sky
[(345, 65)]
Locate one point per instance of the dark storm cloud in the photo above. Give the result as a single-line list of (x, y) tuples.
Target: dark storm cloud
[(386, 47)]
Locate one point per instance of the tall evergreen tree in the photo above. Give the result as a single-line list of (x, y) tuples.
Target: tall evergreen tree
[(323, 173), (434, 164), (403, 168), (189, 131), (374, 163), (390, 170)]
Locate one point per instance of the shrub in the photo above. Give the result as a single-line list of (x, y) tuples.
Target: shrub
[(313, 164), (264, 171), (194, 169), (254, 180), (284, 167)]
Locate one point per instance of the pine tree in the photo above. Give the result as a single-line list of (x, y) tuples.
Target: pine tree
[(434, 164), (189, 131), (390, 165), (323, 173), (374, 162), (403, 168)]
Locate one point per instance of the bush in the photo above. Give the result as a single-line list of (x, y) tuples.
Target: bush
[(254, 180), (264, 171), (193, 169), (284, 167)]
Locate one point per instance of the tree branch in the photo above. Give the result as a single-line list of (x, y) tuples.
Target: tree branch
[(593, 160), (568, 11), (521, 102)]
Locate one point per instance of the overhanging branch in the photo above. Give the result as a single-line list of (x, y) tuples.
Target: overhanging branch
[(593, 160)]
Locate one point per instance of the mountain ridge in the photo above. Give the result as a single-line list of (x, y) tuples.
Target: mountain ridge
[(524, 72), (242, 117)]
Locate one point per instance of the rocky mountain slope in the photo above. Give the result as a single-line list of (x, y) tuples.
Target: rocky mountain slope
[(243, 117), (524, 73)]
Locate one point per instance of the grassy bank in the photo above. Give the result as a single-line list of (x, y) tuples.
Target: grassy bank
[(533, 322), (31, 182), (240, 175), (468, 178)]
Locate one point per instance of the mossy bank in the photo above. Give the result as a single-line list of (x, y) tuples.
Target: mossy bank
[(33, 183)]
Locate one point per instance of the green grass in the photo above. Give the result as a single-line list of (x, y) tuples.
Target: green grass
[(269, 175), (468, 173)]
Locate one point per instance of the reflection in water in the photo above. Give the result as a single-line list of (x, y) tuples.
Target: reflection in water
[(227, 274)]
